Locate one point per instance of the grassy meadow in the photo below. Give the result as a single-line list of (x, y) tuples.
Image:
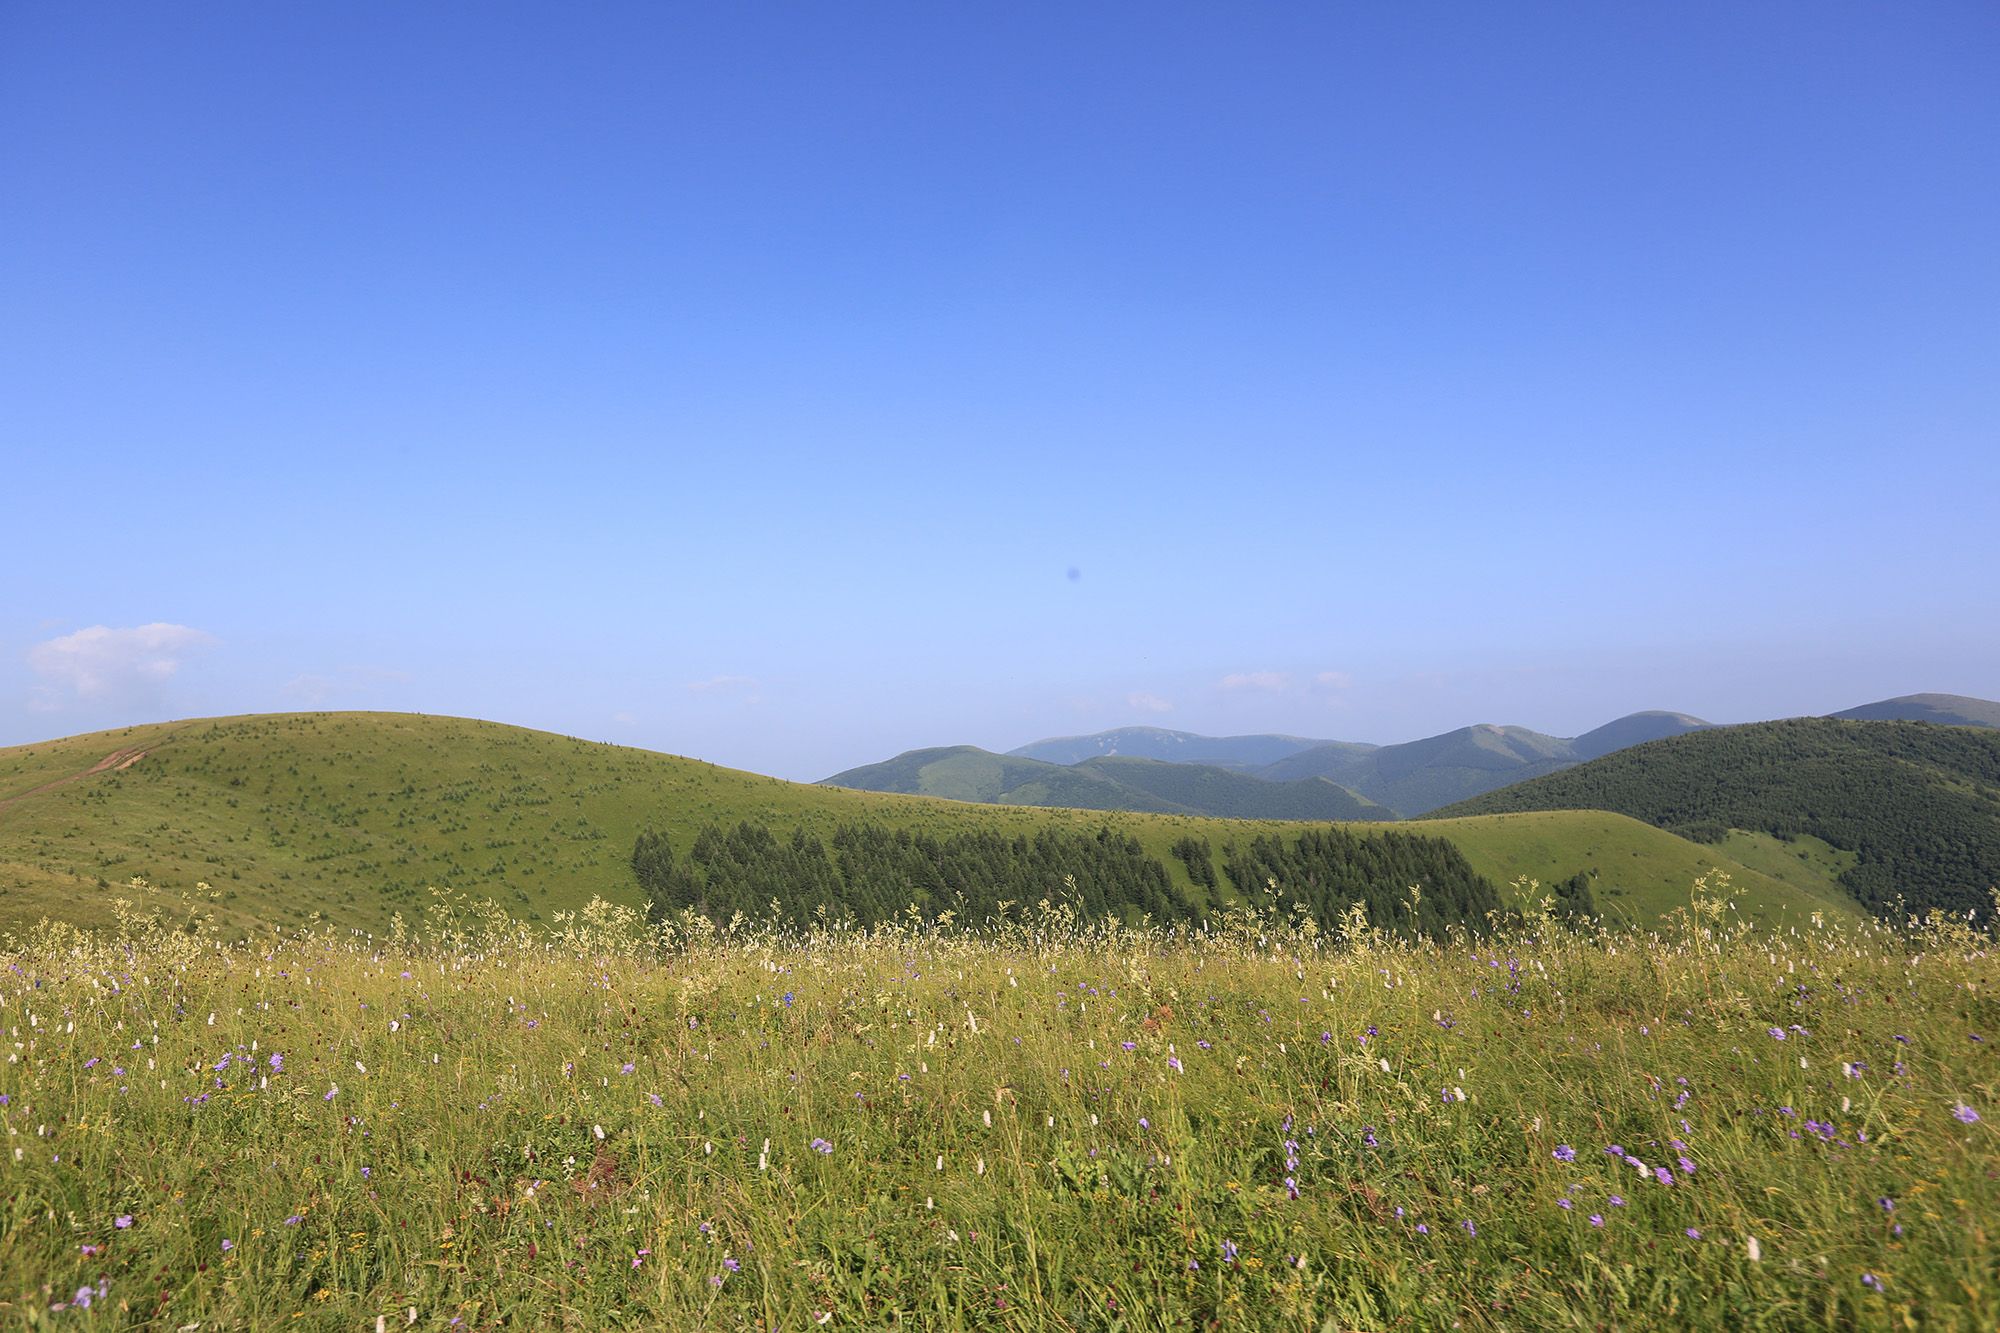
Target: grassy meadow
[(1047, 1124), (351, 818)]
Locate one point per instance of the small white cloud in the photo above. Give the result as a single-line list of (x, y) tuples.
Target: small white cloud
[(105, 665), (1268, 682), (625, 717), (723, 685), (1334, 680), (1148, 703)]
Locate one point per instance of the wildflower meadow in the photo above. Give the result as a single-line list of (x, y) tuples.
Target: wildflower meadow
[(1040, 1121)]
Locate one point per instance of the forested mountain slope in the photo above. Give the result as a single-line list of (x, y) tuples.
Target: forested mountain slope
[(1917, 805)]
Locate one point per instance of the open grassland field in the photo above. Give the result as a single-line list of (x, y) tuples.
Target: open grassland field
[(1054, 1125), (356, 815)]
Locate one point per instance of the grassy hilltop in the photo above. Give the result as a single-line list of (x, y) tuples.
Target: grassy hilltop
[(356, 815)]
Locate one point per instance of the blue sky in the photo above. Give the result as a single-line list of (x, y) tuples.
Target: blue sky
[(791, 385)]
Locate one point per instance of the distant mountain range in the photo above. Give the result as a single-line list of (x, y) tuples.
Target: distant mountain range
[(1110, 782), (1239, 753), (1269, 776), (1951, 710)]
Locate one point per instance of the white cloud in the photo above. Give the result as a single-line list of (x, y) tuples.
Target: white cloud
[(1334, 680), (1268, 682), (1148, 703), (104, 665)]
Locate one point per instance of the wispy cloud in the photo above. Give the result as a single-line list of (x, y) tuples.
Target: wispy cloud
[(1266, 682), (1334, 680), (105, 665), (1148, 703)]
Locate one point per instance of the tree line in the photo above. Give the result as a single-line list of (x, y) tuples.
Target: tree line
[(869, 874), (1329, 868), (872, 874)]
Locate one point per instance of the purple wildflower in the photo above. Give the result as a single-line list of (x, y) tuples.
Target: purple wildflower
[(821, 1146), (1564, 1153), (1965, 1115)]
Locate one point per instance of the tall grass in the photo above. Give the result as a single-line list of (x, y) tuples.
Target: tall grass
[(1043, 1122)]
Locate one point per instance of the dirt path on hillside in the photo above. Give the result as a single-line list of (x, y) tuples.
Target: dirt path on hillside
[(116, 761)]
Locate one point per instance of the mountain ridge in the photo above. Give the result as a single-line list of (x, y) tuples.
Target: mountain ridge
[(1106, 782)]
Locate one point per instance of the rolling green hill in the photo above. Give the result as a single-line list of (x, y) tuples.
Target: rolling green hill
[(355, 815), (1421, 775), (1202, 789), (1914, 807), (966, 773)]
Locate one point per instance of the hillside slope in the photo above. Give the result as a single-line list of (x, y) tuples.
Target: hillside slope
[(1917, 806), (1422, 775), (1180, 747), (1207, 790), (355, 815), (967, 773)]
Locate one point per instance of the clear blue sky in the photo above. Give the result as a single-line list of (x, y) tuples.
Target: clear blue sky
[(790, 385)]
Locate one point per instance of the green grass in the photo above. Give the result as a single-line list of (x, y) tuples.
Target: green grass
[(356, 815), (1809, 864), (1053, 1127), (1638, 876)]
